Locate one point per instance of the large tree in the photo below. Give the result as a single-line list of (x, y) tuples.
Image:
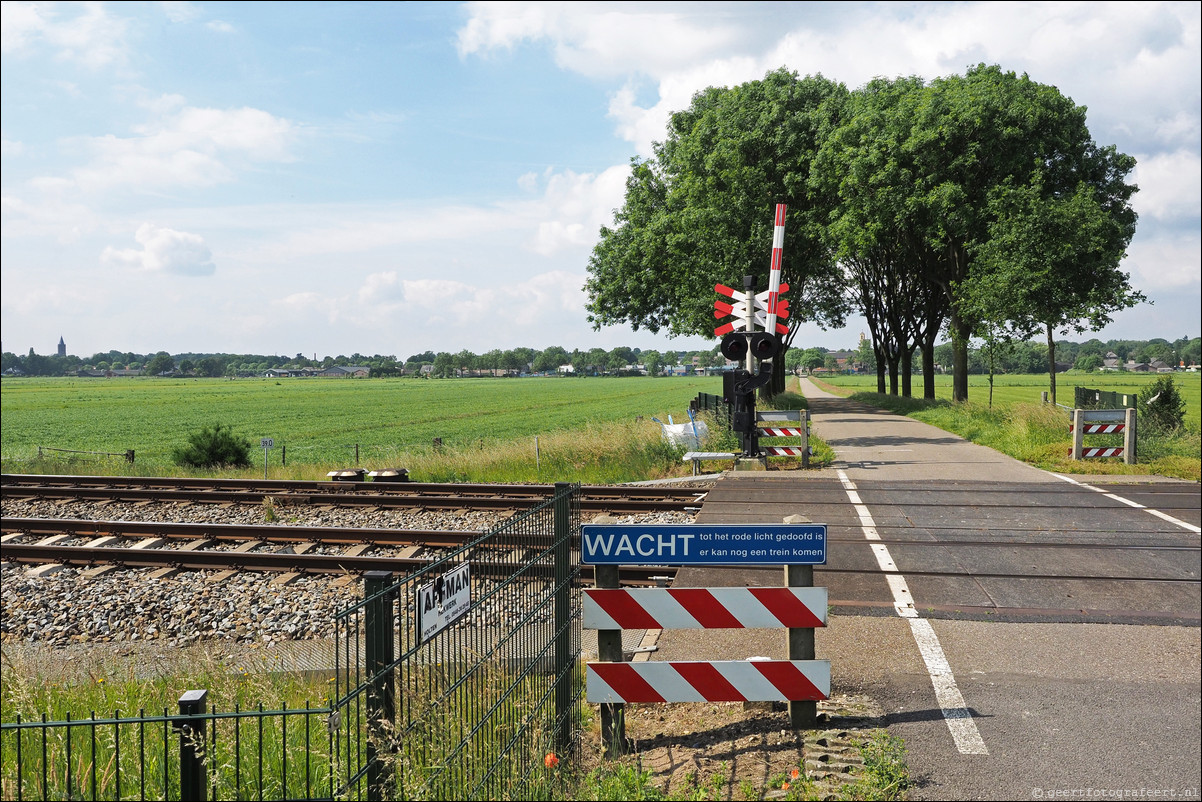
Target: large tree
[(700, 212), (1051, 261)]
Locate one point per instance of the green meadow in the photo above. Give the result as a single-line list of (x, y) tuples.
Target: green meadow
[(1011, 389), (1017, 423), (319, 425)]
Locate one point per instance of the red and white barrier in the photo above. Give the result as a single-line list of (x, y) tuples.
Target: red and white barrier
[(704, 608), (778, 250), (1100, 452), (784, 451), (781, 431), (1100, 428), (722, 681)]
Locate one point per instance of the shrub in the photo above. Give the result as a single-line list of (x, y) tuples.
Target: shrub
[(1160, 407), (214, 447)]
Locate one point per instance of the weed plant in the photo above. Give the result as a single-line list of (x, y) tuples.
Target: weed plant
[(118, 759)]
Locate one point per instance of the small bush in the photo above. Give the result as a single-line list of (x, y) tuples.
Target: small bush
[(215, 447), (1160, 406)]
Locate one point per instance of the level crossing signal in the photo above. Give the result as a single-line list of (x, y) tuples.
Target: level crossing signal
[(759, 309)]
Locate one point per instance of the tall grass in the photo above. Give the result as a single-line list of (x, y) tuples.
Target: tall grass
[(1039, 435), (121, 759)]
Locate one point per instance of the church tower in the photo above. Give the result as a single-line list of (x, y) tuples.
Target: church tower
[(62, 347)]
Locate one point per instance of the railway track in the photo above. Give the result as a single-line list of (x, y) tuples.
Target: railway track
[(595, 498), (314, 550)]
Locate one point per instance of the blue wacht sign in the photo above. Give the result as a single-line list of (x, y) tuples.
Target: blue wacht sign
[(695, 544)]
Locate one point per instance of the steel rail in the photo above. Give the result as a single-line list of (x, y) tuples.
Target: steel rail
[(339, 563), (439, 538), (237, 532), (279, 562), (307, 486), (353, 499)]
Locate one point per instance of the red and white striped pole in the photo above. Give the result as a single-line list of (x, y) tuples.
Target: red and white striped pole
[(778, 250)]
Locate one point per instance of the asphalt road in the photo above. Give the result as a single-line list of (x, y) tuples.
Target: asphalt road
[(1001, 687)]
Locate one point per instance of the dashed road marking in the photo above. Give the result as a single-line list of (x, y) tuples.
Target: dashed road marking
[(951, 702)]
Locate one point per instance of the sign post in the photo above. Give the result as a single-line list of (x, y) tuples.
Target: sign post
[(267, 443), (800, 680)]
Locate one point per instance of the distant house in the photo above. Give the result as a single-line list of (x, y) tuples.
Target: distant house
[(1111, 361), (345, 372), (1160, 367), (1137, 367), (277, 373)]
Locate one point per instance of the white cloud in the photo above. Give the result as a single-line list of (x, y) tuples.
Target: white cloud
[(164, 251), (1166, 263), (1168, 185), (91, 37), (192, 147)]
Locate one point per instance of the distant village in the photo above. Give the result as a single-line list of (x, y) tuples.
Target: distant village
[(1146, 356)]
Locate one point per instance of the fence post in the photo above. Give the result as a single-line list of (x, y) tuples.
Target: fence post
[(802, 715), (1078, 432), (1129, 438), (563, 615), (381, 696), (609, 650), (192, 783), (805, 438)]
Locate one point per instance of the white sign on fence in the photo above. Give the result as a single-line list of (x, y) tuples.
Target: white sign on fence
[(444, 601), (267, 442)]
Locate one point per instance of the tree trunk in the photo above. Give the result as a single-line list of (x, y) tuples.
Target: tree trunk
[(907, 371), (1052, 362), (928, 369), (961, 332), (880, 373)]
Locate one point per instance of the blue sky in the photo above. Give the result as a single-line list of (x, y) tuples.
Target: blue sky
[(326, 178)]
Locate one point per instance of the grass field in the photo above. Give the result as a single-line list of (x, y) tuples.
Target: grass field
[(319, 422), (1026, 388), (1020, 425)]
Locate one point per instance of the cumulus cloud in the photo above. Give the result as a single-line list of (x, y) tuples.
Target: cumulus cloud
[(164, 251), (82, 32), (192, 147), (1168, 186)]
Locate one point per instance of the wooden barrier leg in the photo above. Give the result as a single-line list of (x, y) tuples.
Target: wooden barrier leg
[(1129, 439), (802, 715), (1078, 432), (609, 650)]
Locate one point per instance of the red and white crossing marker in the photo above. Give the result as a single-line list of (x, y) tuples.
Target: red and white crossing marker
[(781, 431), (783, 451), (704, 608), (746, 309), (1100, 428), (722, 681), (1100, 452), (778, 252)]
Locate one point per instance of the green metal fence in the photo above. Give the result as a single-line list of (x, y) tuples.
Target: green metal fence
[(467, 711), (714, 405), (1087, 398), (471, 710)]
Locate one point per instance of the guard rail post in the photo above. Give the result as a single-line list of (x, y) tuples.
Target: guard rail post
[(1078, 432), (191, 729), (802, 715), (381, 694), (609, 650), (563, 615), (1129, 438)]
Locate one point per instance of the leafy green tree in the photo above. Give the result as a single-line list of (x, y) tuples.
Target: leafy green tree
[(1051, 260), (961, 152), (214, 447), (549, 359), (700, 212), (160, 363), (653, 362), (1088, 363), (1160, 406)]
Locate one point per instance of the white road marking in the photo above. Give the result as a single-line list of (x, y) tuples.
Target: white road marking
[(951, 702), (1161, 515)]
